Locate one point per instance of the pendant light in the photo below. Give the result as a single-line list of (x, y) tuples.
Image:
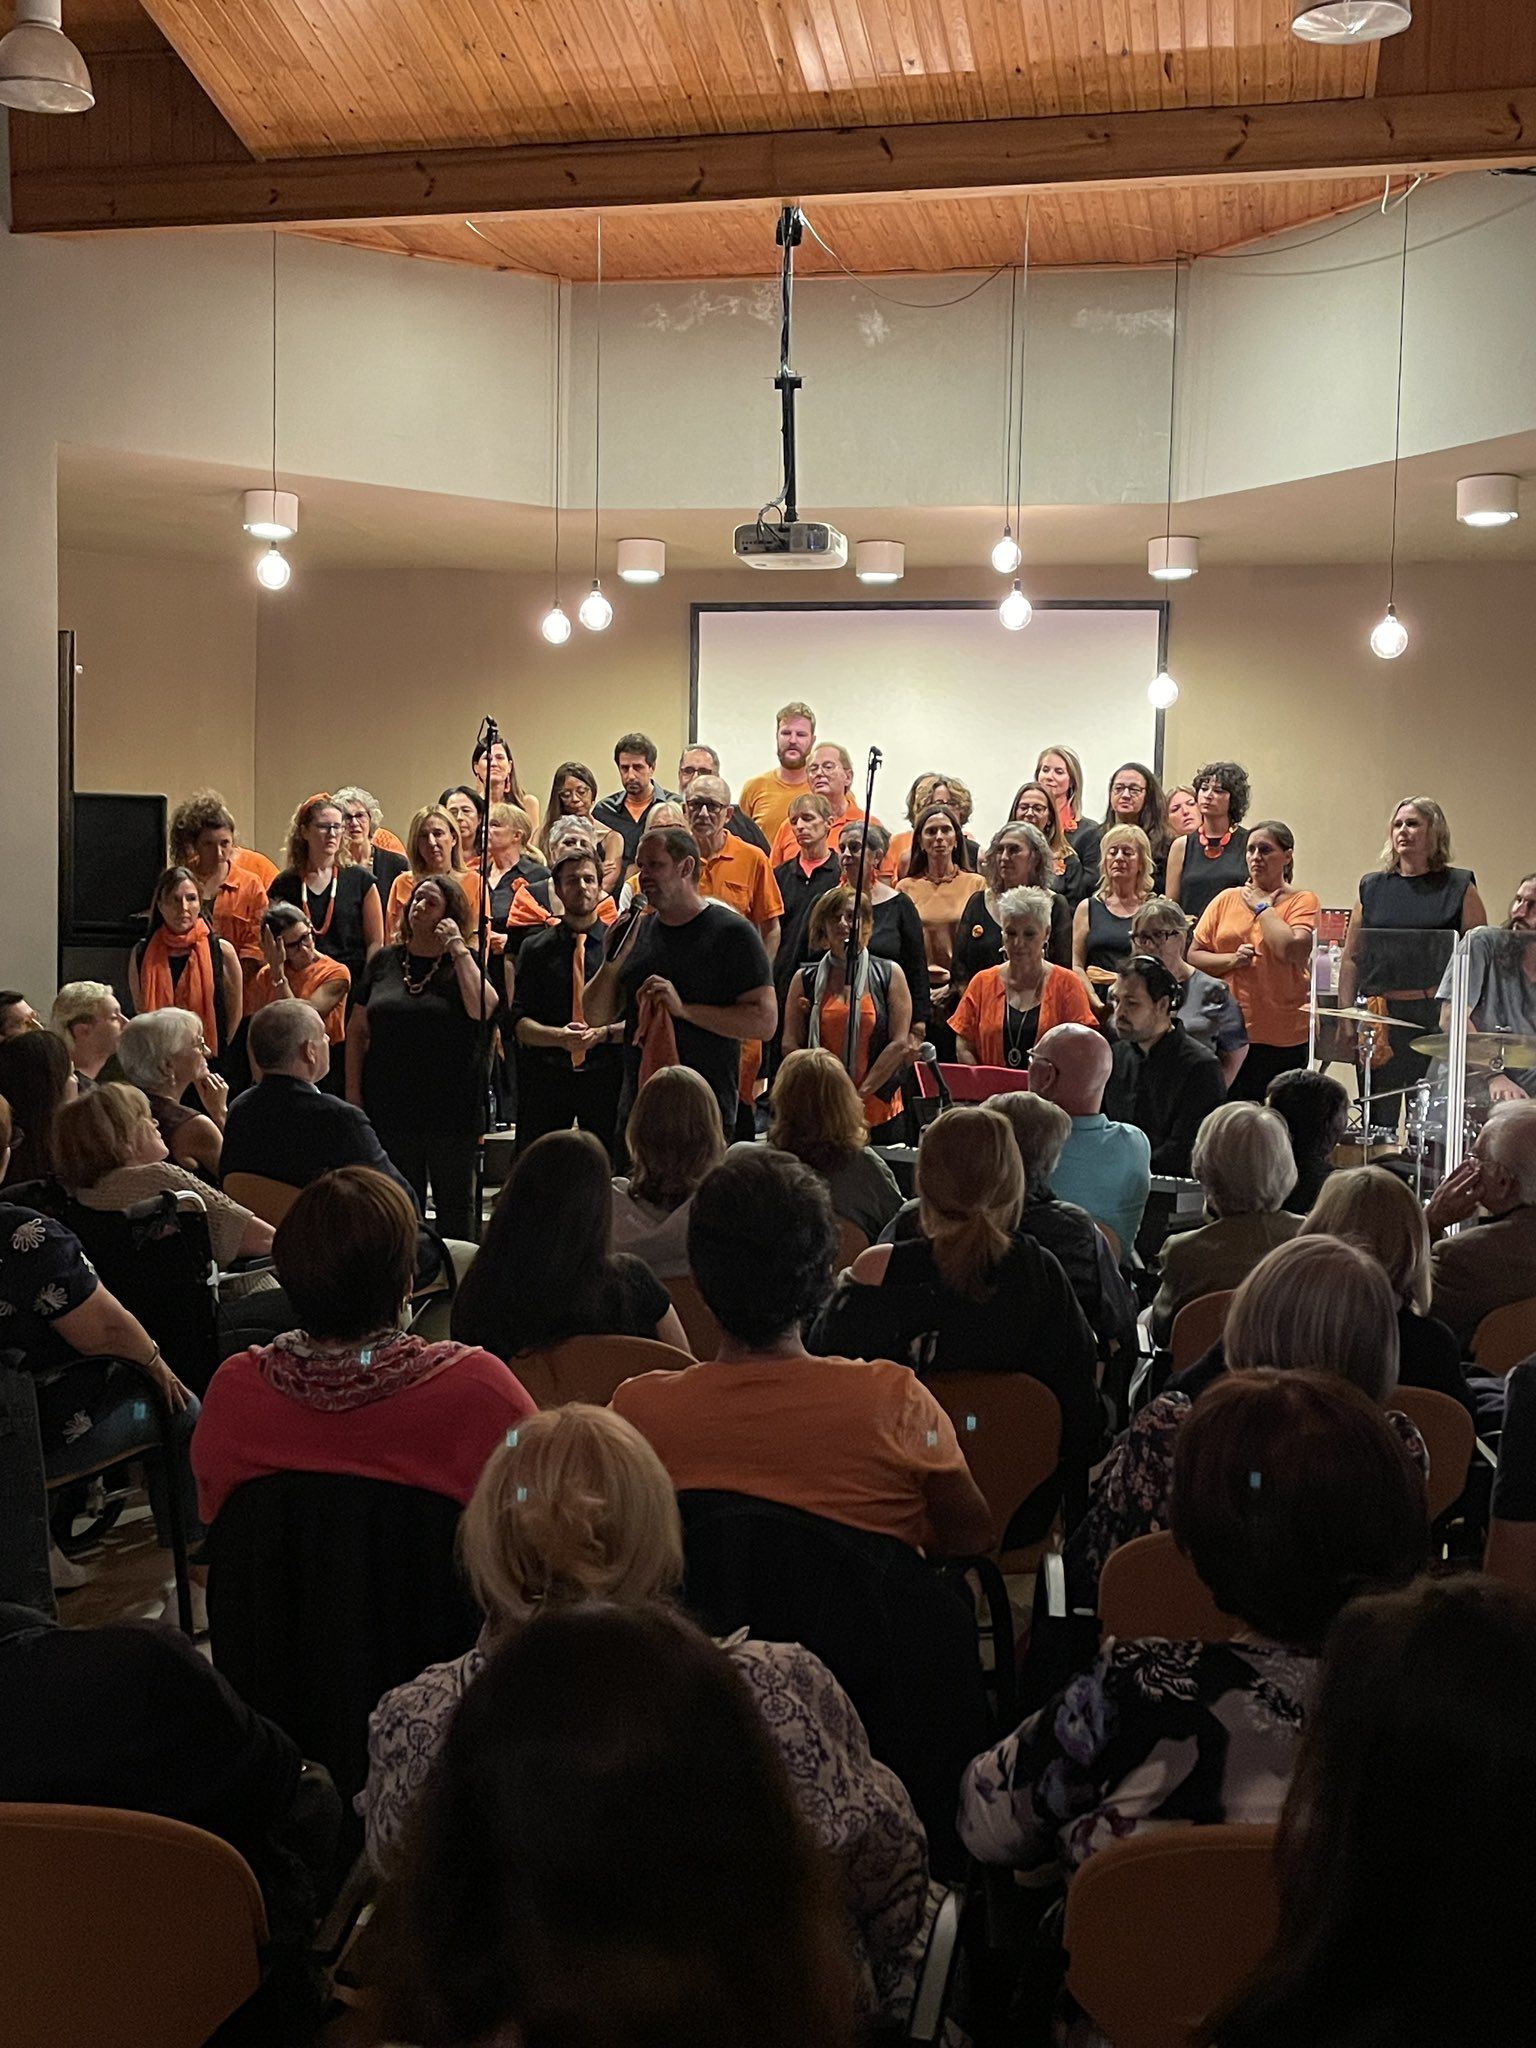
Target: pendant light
[(272, 515), (41, 71), (555, 624), (1487, 500), (596, 613), (1389, 636), (1350, 21), (1175, 556), (1006, 554), (1016, 611)]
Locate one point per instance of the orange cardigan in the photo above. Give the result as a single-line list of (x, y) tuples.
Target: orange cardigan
[(979, 1017)]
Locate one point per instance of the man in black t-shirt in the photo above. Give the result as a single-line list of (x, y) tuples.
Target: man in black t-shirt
[(697, 963)]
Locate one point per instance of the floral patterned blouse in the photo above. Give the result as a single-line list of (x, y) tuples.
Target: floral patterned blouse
[(857, 1808), (1157, 1734)]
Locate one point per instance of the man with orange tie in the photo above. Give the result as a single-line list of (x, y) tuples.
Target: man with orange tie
[(568, 1071)]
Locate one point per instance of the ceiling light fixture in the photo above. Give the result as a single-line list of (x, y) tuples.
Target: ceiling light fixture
[(554, 625), (1487, 500), (1350, 21), (272, 515), (879, 561), (1006, 552), (41, 71), (1389, 636), (272, 569), (1162, 691), (641, 561), (596, 613), (1016, 611), (1175, 557)]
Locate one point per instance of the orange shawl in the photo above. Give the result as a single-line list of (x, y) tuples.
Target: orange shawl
[(195, 989)]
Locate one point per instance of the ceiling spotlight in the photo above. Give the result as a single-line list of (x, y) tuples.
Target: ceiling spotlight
[(1173, 557), (1487, 500), (879, 561), (1016, 611), (271, 515), (595, 612), (272, 570), (1162, 691), (555, 626), (1389, 636), (1350, 21), (642, 561), (41, 71), (1007, 554)]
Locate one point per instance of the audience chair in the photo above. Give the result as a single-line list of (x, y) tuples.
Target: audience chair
[(590, 1368), (1197, 1326), (1149, 1588), (850, 1242), (1505, 1337), (695, 1315), (1111, 1239), (123, 1928), (157, 1258), (1164, 1929), (264, 1197), (1449, 1437)]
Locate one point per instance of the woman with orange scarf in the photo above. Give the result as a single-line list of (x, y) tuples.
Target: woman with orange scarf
[(433, 848), (182, 965)]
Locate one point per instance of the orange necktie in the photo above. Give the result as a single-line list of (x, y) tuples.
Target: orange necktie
[(579, 993)]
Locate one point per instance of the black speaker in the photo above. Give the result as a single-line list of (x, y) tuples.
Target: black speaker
[(117, 852)]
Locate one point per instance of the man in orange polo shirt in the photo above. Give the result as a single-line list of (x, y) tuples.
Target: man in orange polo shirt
[(766, 798)]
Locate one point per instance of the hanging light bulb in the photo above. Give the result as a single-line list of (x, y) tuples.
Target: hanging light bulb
[(1390, 636), (1007, 554), (272, 570), (1016, 611), (555, 626), (596, 613), (1162, 691)]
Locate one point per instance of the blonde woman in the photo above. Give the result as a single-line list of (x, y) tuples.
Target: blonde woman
[(674, 1139), (574, 1507), (1101, 926), (819, 1116), (971, 1294), (433, 849), (1373, 1208), (321, 879), (1061, 772)]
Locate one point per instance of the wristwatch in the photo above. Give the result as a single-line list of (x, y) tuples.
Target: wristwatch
[(1260, 908)]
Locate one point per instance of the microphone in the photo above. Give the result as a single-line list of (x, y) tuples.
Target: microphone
[(876, 759), (928, 1053)]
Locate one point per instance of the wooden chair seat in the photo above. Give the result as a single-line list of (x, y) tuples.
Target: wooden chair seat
[(591, 1368), (1505, 1337), (1148, 1587)]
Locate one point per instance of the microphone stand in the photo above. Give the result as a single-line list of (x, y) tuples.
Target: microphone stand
[(854, 946), (490, 736)]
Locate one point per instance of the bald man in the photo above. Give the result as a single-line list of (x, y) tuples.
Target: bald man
[(1105, 1167)]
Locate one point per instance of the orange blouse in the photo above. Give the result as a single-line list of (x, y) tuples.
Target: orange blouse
[(978, 1019), (238, 904), (834, 1037), (302, 982)]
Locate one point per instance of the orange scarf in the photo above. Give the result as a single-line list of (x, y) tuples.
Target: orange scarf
[(655, 1037), (194, 990)]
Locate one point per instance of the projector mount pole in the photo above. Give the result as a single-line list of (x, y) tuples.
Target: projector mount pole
[(790, 229)]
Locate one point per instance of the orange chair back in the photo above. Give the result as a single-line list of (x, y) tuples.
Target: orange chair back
[(1506, 1336), (850, 1242), (1163, 1929), (590, 1368), (1148, 1587), (1449, 1437), (1009, 1427), (122, 1927), (269, 1199), (695, 1315), (1197, 1326)]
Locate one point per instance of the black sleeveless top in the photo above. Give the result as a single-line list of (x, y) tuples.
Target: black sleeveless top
[(1109, 936), (1397, 908), (1205, 879), (335, 915)]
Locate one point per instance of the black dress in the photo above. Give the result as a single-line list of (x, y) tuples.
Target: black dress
[(1109, 936), (898, 936), (979, 939), (1408, 933), (335, 914), (424, 1079), (1206, 876)]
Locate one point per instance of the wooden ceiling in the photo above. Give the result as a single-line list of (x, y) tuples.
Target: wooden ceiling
[(217, 83)]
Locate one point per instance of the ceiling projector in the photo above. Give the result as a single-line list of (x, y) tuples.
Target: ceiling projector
[(790, 544)]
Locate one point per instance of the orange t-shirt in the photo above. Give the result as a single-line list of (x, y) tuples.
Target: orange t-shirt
[(740, 876), (400, 895), (388, 841), (978, 1017), (303, 981), (254, 863), (856, 1440), (766, 799), (1272, 994), (238, 904)]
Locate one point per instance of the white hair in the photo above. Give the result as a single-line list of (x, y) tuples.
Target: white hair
[(353, 793), (150, 1043), (1025, 906), (1243, 1159), (1510, 1143)]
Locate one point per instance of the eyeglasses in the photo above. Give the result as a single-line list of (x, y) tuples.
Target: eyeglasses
[(299, 940), (325, 825), (704, 803), (357, 818), (1129, 789)]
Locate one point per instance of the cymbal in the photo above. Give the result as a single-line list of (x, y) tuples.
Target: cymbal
[(1369, 1017), (1487, 1051)]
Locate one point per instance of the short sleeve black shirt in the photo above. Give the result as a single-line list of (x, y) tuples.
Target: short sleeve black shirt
[(715, 958)]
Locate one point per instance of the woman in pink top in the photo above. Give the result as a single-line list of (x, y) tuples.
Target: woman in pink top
[(350, 1390)]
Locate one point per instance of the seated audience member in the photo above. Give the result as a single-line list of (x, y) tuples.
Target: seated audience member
[(674, 1141), (1105, 1167), (89, 1019), (1315, 1110), (65, 1324), (1163, 1081), (129, 1715), (182, 965), (1018, 857), (1290, 1496), (349, 1390), (1317, 1304), (1413, 1790), (1377, 1210), (817, 1004), (1206, 1007), (971, 1294), (576, 1507), (544, 1271), (568, 1071), (36, 1080), (1494, 1260), (609, 1851), (860, 1442), (165, 1055), (16, 1014), (296, 970), (1003, 1010), (1242, 1160), (1511, 1552), (818, 1117)]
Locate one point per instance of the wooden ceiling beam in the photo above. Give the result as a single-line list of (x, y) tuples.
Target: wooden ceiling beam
[(1339, 138)]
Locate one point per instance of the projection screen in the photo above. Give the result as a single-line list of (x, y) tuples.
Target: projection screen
[(934, 686)]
